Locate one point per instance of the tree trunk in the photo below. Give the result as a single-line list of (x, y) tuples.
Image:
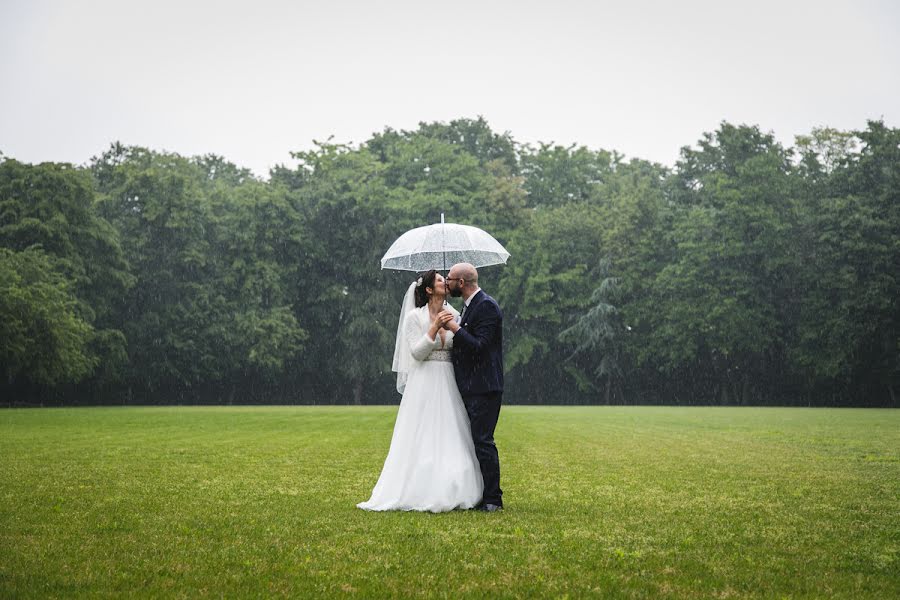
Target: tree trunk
[(357, 393)]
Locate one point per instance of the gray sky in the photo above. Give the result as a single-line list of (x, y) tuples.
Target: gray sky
[(254, 80)]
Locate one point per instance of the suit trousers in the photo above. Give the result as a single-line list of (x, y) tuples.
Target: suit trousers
[(484, 409)]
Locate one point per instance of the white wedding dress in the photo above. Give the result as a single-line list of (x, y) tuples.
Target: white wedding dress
[(431, 464)]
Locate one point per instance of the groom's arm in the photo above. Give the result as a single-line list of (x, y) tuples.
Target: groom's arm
[(482, 331)]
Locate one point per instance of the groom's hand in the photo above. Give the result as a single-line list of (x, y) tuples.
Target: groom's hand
[(448, 320)]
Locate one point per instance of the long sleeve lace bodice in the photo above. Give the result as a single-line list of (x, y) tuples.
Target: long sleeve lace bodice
[(420, 345)]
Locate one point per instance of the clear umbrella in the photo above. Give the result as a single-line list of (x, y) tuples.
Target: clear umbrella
[(442, 245), (437, 246)]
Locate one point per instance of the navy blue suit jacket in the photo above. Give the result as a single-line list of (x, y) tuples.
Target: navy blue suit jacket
[(478, 347)]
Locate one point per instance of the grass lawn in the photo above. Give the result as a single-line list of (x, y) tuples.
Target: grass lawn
[(612, 502)]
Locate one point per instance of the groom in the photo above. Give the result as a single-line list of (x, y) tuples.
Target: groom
[(477, 356)]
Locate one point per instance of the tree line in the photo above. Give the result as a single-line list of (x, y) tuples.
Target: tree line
[(748, 273)]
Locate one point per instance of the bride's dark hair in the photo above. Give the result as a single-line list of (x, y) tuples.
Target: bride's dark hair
[(427, 279)]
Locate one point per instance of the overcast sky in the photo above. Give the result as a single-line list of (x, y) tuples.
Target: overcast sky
[(253, 81)]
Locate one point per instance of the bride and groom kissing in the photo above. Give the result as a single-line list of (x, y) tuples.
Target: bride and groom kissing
[(450, 372)]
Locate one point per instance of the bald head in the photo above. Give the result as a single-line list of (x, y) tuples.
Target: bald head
[(465, 270), (463, 279)]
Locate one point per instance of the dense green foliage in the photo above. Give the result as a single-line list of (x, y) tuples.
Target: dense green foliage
[(748, 273), (614, 502)]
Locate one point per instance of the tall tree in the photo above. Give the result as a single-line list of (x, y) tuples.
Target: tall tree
[(44, 339), (597, 339), (848, 328), (542, 290), (718, 298), (204, 242), (51, 206), (347, 303)]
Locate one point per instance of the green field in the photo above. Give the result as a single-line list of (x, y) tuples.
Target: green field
[(611, 502)]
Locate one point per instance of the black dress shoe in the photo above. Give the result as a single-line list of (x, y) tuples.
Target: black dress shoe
[(489, 507)]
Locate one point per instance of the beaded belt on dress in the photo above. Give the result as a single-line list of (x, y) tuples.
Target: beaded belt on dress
[(441, 355)]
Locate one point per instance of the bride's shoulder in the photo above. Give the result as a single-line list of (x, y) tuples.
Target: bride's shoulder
[(416, 313)]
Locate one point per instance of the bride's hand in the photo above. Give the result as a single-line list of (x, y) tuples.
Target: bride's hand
[(446, 317), (436, 326), (440, 322)]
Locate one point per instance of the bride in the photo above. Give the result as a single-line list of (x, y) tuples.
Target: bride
[(431, 465)]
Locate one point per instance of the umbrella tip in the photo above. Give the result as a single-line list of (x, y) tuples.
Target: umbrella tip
[(442, 218)]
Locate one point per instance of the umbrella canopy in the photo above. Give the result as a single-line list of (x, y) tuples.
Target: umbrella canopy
[(442, 245)]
